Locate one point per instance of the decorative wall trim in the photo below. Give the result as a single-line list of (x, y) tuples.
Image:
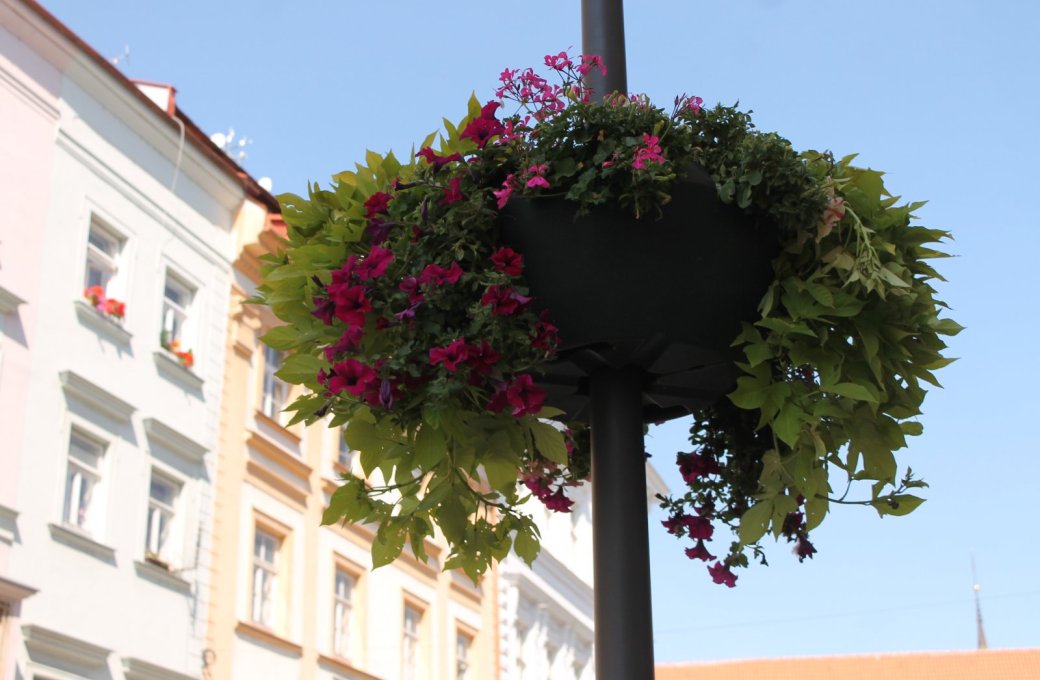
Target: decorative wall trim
[(9, 301), (80, 541), (269, 637), (138, 669), (103, 401), (44, 642), (171, 367), (184, 446), (342, 668), (101, 324), (13, 591), (163, 577)]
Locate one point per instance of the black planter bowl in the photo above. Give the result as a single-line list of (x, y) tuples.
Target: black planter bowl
[(666, 295)]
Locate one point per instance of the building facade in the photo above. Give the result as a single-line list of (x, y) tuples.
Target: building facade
[(293, 599), (116, 250)]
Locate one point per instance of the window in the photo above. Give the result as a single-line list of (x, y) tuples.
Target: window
[(162, 499), (81, 481), (103, 247), (265, 577), (463, 644), (343, 613), (177, 297), (410, 643), (344, 454), (274, 390)]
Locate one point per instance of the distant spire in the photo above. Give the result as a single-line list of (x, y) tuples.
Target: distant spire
[(980, 630)]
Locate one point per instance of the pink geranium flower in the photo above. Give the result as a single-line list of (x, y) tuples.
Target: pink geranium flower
[(650, 152)]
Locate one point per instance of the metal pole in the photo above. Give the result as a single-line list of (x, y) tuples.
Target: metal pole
[(603, 33), (621, 557)]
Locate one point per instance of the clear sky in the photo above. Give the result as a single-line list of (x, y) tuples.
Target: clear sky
[(942, 94)]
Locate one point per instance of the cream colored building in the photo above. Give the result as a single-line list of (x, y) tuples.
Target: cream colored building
[(293, 599)]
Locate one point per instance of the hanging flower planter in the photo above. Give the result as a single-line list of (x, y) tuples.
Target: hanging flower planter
[(449, 309), (667, 295)]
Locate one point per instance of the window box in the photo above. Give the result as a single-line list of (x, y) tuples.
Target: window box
[(74, 538), (172, 368), (101, 324)]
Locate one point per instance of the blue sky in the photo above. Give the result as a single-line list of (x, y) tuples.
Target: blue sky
[(943, 95)]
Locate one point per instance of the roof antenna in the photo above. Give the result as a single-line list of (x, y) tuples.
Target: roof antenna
[(980, 631), (125, 56)]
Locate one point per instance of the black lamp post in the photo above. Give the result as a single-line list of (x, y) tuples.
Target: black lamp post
[(621, 561)]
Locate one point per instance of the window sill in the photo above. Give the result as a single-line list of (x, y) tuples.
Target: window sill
[(162, 576), (341, 666), (75, 538), (267, 636), (101, 324), (170, 366)]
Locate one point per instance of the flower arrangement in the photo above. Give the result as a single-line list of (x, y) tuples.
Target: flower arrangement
[(109, 307), (185, 357), (410, 322)]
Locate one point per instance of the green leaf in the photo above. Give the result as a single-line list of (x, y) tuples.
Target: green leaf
[(281, 337), (549, 441), (754, 522), (526, 544), (788, 423), (301, 368), (338, 503), (430, 447), (901, 504), (389, 542), (852, 391)]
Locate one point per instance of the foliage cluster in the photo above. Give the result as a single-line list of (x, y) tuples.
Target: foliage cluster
[(406, 320)]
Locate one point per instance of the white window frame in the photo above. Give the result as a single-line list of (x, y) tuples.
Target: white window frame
[(163, 521), (264, 609), (411, 641), (176, 320), (463, 648), (104, 247), (343, 611), (273, 390), (82, 508)]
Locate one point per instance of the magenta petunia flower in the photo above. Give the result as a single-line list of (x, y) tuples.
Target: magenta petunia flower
[(558, 502), (503, 300), (508, 261), (452, 193), (483, 127), (353, 376), (720, 573), (693, 466), (699, 552), (351, 305), (436, 275), (451, 356), (436, 161), (375, 264), (524, 396), (377, 204)]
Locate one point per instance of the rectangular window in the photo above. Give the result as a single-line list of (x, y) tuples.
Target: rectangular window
[(266, 547), (103, 247), (344, 454), (274, 390), (410, 651), (177, 297), (162, 499), (343, 614), (463, 645), (81, 480)]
